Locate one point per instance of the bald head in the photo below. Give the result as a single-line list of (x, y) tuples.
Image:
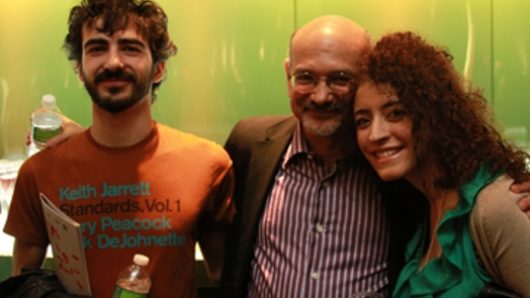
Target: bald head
[(330, 33), (321, 72)]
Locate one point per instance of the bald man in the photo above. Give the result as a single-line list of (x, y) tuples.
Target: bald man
[(312, 220)]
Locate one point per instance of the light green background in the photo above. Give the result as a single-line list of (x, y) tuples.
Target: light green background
[(231, 52)]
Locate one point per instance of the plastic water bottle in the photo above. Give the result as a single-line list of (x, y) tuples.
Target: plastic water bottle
[(134, 281), (46, 123)]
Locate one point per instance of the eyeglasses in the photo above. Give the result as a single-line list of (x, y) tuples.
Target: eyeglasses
[(339, 82)]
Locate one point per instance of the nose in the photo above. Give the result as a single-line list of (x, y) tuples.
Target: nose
[(322, 94), (114, 60), (378, 131)]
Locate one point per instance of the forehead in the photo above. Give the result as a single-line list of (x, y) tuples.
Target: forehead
[(326, 46), (322, 56), (93, 30), (369, 92)]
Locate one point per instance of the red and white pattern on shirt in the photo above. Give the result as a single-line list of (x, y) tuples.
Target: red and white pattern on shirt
[(323, 233)]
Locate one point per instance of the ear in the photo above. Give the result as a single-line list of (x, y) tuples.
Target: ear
[(79, 72), (287, 67), (159, 72)]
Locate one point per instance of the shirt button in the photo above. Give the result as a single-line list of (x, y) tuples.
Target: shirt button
[(321, 228), (310, 156), (314, 275)]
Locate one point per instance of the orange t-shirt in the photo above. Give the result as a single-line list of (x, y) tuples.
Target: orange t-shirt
[(154, 198)]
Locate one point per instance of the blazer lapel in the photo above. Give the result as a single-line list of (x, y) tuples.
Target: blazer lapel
[(266, 157)]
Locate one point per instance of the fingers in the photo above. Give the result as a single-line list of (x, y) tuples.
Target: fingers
[(524, 204), (521, 187), (28, 137), (57, 139), (69, 129)]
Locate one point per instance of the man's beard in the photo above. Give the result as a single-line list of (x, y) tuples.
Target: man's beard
[(111, 103), (323, 129), (328, 127)]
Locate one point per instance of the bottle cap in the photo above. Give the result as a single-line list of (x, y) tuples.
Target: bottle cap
[(141, 260), (48, 99)]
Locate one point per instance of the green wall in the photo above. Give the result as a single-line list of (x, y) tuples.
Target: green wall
[(230, 60), (511, 75)]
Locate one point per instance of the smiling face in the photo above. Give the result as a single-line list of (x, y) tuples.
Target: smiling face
[(117, 70), (321, 111), (384, 131), (323, 63)]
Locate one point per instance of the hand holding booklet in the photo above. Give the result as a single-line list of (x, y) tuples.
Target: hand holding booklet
[(67, 246)]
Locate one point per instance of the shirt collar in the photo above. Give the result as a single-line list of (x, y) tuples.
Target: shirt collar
[(298, 148)]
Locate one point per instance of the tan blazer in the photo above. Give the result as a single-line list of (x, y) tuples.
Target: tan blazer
[(501, 235)]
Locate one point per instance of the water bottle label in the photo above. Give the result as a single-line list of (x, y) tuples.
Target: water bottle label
[(42, 134), (124, 293)]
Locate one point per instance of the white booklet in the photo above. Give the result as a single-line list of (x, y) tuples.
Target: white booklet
[(67, 246)]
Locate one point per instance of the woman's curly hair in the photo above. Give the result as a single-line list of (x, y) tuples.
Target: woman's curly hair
[(148, 17), (451, 119)]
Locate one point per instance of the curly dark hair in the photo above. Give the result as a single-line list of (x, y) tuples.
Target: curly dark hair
[(451, 119), (149, 18)]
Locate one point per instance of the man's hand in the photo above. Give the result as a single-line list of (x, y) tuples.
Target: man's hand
[(26, 255), (69, 129), (523, 203)]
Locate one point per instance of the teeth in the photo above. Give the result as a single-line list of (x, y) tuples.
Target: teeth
[(386, 153)]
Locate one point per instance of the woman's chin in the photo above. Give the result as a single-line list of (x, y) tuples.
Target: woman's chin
[(388, 176)]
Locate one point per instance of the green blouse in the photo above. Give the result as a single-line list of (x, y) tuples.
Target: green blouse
[(456, 273)]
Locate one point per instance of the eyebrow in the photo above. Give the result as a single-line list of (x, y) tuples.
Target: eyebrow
[(121, 41), (304, 70), (360, 112), (394, 101), (95, 41), (131, 41)]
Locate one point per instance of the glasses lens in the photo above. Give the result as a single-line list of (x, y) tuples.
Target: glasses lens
[(337, 82), (303, 82)]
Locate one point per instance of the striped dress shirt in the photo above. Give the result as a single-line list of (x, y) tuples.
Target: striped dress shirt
[(323, 232)]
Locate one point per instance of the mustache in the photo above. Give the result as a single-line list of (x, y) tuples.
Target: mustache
[(326, 107), (119, 74)]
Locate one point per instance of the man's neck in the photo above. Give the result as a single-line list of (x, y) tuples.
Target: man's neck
[(331, 148), (122, 129)]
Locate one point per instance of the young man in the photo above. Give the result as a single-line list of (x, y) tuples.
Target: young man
[(134, 185)]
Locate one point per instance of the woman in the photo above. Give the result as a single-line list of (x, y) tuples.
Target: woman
[(416, 120)]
